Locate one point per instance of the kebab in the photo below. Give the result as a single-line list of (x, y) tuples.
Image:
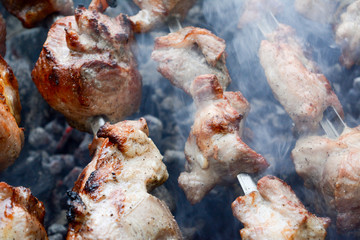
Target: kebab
[(214, 150), (274, 212), (31, 12), (110, 197), (87, 70), (21, 214)]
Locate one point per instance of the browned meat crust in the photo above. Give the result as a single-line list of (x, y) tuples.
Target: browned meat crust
[(154, 12), (31, 12), (332, 166), (214, 150), (110, 197), (21, 214), (189, 53), (87, 68), (274, 213), (11, 136)]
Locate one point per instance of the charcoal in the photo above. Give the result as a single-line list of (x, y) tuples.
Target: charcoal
[(57, 229), (56, 236), (39, 138), (70, 179), (155, 128), (82, 154)]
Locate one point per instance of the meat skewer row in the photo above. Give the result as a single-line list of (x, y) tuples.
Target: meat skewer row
[(274, 212), (110, 199), (21, 214), (87, 70), (31, 12)]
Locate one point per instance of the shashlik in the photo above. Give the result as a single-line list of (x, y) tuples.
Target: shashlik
[(11, 136), (31, 12), (21, 214), (189, 53), (87, 69), (295, 80), (347, 33), (332, 167), (154, 12), (274, 212), (2, 36), (214, 150), (110, 199)]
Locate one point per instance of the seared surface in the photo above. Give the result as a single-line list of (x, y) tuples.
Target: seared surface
[(189, 53), (31, 12), (11, 136), (110, 199), (274, 212), (294, 79), (332, 166), (214, 150), (87, 68), (347, 33), (2, 36), (21, 214), (154, 12)]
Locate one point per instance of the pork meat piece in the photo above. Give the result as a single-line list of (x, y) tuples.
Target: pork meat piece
[(214, 150), (21, 214), (87, 69), (188, 53), (11, 136), (154, 12), (332, 167), (110, 199), (274, 212), (254, 10), (294, 79), (31, 12), (2, 36), (347, 35), (321, 11)]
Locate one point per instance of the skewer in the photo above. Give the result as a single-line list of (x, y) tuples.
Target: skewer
[(96, 123)]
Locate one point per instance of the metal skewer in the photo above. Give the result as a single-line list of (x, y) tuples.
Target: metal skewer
[(96, 123)]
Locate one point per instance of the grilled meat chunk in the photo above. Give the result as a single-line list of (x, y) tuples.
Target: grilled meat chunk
[(21, 214), (274, 212), (11, 136), (2, 36), (296, 83), (214, 150), (332, 167), (188, 53), (87, 68), (110, 199), (31, 12), (154, 12), (347, 35)]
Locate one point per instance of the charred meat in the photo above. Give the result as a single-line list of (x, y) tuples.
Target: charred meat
[(274, 212), (332, 166), (87, 68), (110, 199), (189, 53), (214, 150), (21, 214), (31, 12), (154, 12), (294, 79), (11, 136)]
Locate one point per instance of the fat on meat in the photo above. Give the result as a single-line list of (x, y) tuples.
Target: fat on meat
[(188, 53), (296, 82), (214, 151), (110, 199), (275, 213), (87, 69), (11, 135), (21, 214), (31, 12), (2, 36), (332, 167), (347, 35), (154, 12)]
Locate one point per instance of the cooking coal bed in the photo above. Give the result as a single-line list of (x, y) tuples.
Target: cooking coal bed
[(54, 154)]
